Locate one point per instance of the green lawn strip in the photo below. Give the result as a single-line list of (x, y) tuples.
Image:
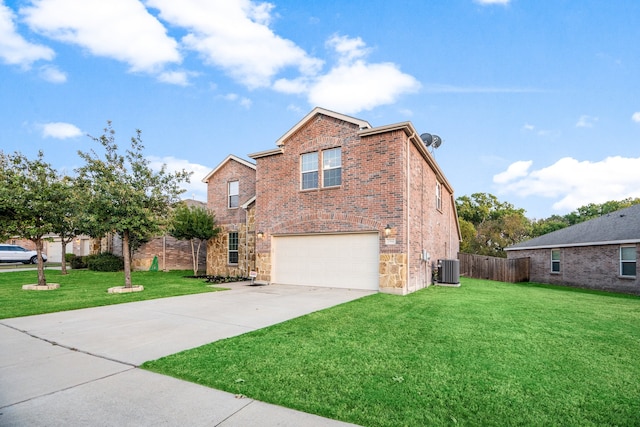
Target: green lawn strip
[(84, 288), (487, 353)]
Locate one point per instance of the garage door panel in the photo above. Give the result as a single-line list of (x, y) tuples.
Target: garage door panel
[(336, 260)]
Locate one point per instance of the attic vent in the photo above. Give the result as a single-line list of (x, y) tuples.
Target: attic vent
[(449, 271)]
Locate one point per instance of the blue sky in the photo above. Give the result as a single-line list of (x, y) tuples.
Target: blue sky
[(537, 101)]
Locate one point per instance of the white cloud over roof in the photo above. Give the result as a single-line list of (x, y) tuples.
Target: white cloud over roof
[(232, 35), (574, 183)]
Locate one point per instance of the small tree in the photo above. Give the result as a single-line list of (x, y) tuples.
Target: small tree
[(29, 196), (124, 195), (69, 217), (195, 224)]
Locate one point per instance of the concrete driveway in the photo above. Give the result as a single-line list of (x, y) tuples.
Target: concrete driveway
[(80, 367)]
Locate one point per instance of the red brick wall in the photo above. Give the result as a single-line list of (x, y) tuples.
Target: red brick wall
[(371, 194), (217, 191), (431, 229), (592, 267)]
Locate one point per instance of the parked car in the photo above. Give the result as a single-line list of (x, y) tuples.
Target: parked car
[(15, 253)]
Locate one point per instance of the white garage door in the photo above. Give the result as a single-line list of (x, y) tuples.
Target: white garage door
[(332, 260)]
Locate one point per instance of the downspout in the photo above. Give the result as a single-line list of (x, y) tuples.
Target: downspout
[(246, 240)]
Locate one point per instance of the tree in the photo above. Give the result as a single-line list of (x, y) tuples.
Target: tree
[(489, 225), (29, 196), (193, 223), (124, 195), (69, 219)]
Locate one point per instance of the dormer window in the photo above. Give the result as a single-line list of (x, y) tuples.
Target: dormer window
[(234, 194)]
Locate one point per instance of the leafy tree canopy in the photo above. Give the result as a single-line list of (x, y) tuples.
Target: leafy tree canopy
[(195, 224), (124, 194)]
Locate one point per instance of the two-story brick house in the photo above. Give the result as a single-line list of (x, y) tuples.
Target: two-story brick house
[(338, 203)]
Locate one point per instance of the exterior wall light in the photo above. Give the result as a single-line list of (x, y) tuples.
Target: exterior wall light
[(260, 234), (387, 230)]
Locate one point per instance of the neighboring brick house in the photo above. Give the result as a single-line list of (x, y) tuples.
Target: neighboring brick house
[(597, 254), (173, 254), (338, 203)]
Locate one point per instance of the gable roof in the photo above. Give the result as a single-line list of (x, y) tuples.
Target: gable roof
[(362, 123), (619, 227), (228, 159)]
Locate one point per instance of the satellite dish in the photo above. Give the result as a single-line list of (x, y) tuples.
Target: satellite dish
[(426, 138), (436, 141)]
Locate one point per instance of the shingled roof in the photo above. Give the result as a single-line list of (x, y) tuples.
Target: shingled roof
[(619, 227)]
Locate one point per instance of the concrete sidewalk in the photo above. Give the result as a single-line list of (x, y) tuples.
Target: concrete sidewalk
[(80, 367)]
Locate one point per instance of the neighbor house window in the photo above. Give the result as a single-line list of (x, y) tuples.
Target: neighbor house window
[(233, 247), (628, 261), (555, 260), (234, 194), (438, 196), (332, 167), (309, 170)]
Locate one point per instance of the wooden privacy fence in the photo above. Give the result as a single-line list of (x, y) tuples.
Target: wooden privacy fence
[(493, 268)]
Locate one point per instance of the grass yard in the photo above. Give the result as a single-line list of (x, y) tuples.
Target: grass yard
[(484, 354), (84, 288)]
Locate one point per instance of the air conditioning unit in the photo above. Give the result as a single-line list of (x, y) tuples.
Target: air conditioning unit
[(449, 272)]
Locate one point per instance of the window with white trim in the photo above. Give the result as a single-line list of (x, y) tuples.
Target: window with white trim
[(438, 196), (628, 261), (233, 247), (332, 167), (309, 170), (555, 260), (234, 194)]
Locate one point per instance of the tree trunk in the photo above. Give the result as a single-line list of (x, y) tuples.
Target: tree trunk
[(63, 266), (194, 260), (127, 259), (42, 281)]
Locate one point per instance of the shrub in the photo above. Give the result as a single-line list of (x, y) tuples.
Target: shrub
[(105, 262), (69, 257), (77, 262)]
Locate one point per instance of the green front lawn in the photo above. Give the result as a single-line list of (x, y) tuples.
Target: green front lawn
[(484, 354), (84, 288)]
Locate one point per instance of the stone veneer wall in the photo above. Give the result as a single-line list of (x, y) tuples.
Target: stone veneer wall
[(217, 249), (393, 273)]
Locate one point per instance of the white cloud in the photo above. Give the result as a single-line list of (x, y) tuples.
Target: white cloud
[(119, 29), (180, 78), (528, 127), (354, 84), (636, 117), (586, 121), (53, 74), (516, 170), (14, 49), (235, 36), (574, 183), (361, 86), (195, 188), (60, 130)]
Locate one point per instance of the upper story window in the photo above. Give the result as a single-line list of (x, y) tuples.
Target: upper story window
[(438, 196), (332, 167), (234, 194), (309, 170), (628, 261), (555, 260)]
